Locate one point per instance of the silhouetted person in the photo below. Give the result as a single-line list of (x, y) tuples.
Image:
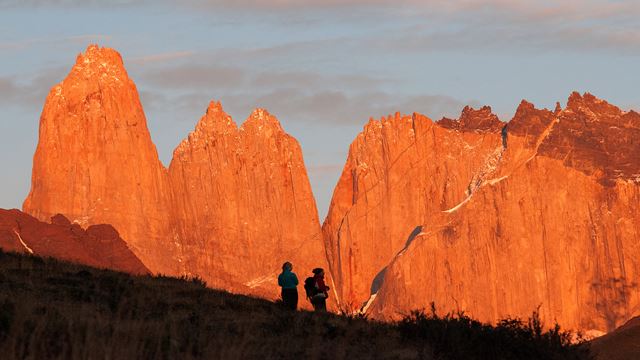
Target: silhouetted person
[(319, 300), (289, 282)]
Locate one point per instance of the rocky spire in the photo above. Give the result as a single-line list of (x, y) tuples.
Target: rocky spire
[(480, 120), (95, 161)]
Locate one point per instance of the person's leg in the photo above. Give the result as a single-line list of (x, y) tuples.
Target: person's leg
[(285, 298), (290, 298), (323, 304), (294, 299)]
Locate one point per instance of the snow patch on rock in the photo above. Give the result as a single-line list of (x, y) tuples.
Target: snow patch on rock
[(22, 242)]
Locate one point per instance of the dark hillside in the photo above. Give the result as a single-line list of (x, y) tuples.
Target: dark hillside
[(54, 309), (621, 344)]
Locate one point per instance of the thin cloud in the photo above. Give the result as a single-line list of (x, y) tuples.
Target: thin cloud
[(163, 57), (9, 90), (476, 25), (535, 10), (67, 3), (308, 79), (89, 38), (153, 100), (26, 43), (32, 92), (190, 76), (204, 4), (195, 76), (326, 106), (517, 31)]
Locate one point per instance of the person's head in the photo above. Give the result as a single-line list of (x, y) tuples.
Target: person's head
[(318, 271), (287, 266)]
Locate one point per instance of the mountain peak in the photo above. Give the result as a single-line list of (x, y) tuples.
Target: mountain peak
[(215, 119), (590, 104), (471, 119), (213, 123), (259, 119), (529, 121), (524, 106), (558, 108), (99, 61), (261, 114), (214, 107)]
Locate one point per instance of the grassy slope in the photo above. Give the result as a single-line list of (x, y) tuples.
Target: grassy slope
[(54, 309)]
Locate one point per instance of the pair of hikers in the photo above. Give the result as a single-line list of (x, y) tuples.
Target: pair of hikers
[(316, 290)]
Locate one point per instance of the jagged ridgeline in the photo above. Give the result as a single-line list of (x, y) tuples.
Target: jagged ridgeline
[(475, 214)]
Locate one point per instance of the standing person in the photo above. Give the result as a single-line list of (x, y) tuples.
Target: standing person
[(289, 282), (319, 300)]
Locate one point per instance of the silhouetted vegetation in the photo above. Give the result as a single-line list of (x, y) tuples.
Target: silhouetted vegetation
[(53, 309), (457, 336)]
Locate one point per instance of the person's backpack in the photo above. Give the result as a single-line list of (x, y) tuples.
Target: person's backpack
[(310, 287)]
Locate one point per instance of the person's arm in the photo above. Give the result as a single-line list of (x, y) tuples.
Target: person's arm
[(321, 286), (295, 279), (280, 280)]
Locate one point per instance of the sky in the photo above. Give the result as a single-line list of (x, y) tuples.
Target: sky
[(323, 67)]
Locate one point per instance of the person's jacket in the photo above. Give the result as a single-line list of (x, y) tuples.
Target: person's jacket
[(288, 280), (320, 285)]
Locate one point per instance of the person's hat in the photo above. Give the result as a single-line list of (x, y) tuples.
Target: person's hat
[(317, 270)]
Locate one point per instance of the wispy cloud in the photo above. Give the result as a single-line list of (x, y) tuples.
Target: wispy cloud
[(324, 107), (570, 25), (163, 57), (32, 92), (467, 25), (214, 4), (83, 39), (195, 76), (67, 3), (9, 90), (192, 75), (26, 43)]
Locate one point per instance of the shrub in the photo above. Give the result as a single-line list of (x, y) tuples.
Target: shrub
[(457, 336)]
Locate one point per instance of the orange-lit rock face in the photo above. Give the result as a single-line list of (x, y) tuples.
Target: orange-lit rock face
[(95, 162), (400, 170), (540, 227), (245, 201), (98, 245), (233, 206)]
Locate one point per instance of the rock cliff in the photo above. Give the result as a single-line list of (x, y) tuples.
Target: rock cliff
[(400, 170), (548, 217), (244, 201), (95, 162)]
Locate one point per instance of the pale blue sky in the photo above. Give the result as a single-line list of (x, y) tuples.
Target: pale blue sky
[(322, 67)]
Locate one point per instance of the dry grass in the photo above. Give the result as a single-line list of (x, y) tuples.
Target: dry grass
[(52, 309)]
